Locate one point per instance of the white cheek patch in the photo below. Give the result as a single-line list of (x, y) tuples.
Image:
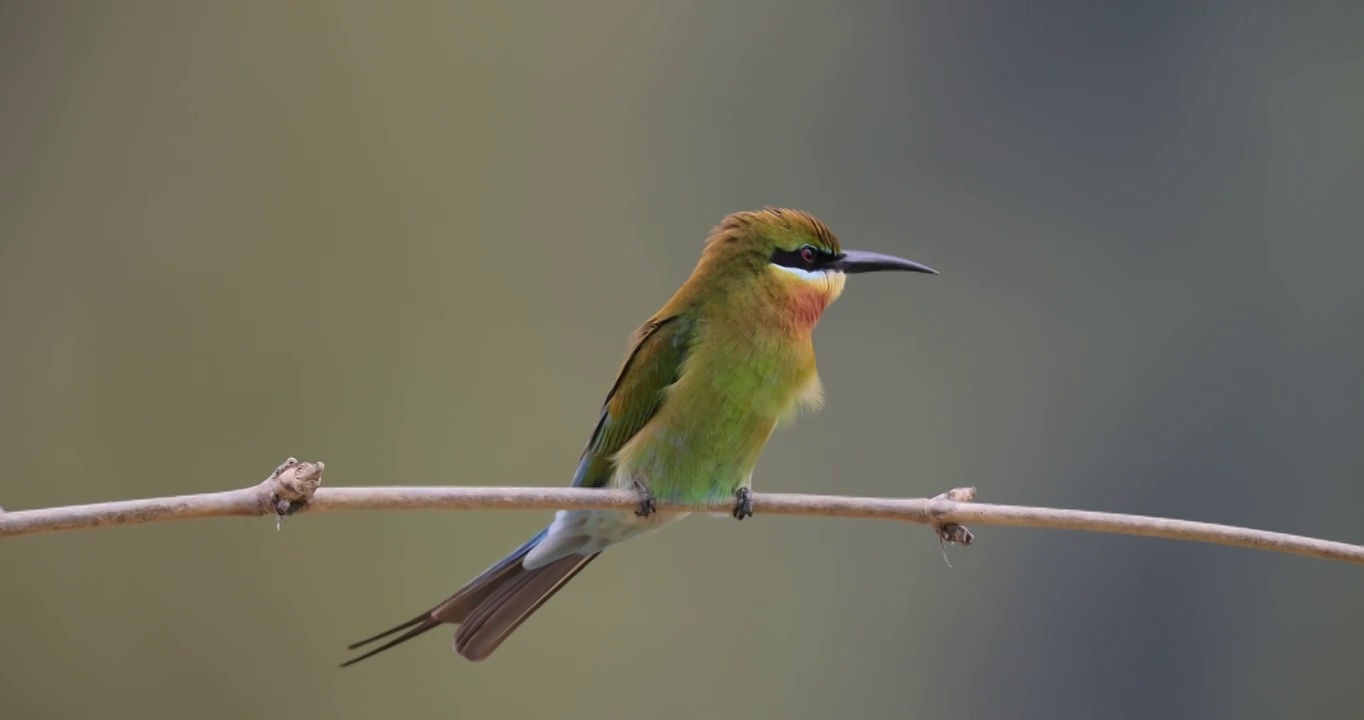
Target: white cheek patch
[(806, 275)]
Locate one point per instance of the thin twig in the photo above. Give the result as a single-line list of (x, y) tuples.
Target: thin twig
[(293, 487)]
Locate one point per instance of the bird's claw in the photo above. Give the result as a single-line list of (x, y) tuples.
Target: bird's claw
[(647, 505), (744, 507)]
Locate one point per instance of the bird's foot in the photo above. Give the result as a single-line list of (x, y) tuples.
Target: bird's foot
[(646, 506), (744, 507)]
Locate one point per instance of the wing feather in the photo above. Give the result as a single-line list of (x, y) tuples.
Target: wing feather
[(653, 363)]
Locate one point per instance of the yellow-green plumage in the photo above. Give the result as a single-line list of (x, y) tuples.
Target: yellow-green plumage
[(748, 360), (704, 383)]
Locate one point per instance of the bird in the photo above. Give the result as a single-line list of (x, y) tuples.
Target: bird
[(704, 383)]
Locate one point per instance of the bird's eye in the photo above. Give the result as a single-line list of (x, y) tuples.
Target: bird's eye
[(807, 258)]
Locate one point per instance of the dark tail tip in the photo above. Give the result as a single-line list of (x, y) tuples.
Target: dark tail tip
[(414, 621), (418, 625), (457, 607)]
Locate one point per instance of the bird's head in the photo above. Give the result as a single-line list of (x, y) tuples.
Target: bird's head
[(786, 259)]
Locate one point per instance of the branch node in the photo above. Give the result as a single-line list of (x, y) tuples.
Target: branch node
[(951, 533), (291, 486)]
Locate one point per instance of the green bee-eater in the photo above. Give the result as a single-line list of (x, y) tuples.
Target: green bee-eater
[(704, 383)]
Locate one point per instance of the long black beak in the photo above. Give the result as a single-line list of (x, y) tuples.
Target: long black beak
[(858, 261)]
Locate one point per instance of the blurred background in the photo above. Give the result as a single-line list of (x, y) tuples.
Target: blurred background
[(411, 240)]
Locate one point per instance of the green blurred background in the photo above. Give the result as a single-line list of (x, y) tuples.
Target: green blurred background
[(411, 240)]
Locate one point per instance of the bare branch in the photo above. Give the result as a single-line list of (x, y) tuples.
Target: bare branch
[(293, 487)]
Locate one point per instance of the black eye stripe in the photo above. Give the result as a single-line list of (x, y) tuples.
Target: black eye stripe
[(794, 259)]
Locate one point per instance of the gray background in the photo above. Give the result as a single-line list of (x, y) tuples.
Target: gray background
[(411, 241)]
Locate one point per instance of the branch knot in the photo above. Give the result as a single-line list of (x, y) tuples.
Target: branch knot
[(950, 533), (292, 485)]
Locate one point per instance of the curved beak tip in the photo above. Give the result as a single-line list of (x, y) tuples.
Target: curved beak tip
[(860, 261)]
